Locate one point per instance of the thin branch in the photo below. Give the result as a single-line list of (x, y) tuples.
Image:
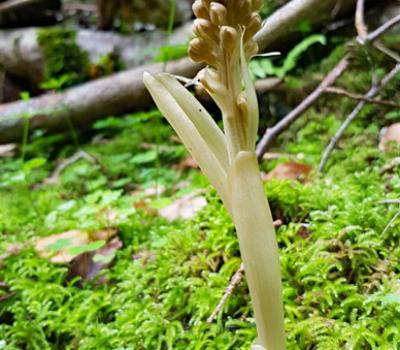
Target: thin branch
[(388, 52), (383, 29), (54, 177), (360, 21), (14, 4), (342, 92), (391, 222), (272, 133), (235, 280), (80, 7), (390, 201), (288, 120), (395, 162), (374, 90)]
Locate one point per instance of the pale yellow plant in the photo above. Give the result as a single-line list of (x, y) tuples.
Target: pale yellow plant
[(224, 33)]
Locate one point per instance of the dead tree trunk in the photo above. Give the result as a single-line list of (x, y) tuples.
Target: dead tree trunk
[(21, 55)]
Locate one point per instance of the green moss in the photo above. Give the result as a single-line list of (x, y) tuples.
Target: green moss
[(340, 270), (65, 63)]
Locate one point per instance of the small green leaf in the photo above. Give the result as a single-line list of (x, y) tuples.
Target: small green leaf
[(145, 157), (33, 164), (104, 259), (59, 245), (87, 248)]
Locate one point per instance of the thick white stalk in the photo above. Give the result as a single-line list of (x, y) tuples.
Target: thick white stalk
[(259, 249)]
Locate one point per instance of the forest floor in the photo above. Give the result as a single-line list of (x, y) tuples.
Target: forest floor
[(160, 271)]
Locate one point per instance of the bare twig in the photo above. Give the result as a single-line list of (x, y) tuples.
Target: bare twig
[(383, 29), (395, 162), (391, 222), (374, 90), (342, 92), (14, 4), (271, 134), (235, 280), (390, 201), (66, 163), (360, 22), (7, 296), (80, 7), (283, 124), (388, 52), (2, 83)]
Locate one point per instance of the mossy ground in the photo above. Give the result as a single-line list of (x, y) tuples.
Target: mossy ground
[(340, 270)]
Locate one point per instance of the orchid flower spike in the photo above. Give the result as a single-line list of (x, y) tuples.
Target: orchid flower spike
[(224, 31)]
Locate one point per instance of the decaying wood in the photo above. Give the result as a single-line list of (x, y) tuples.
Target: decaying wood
[(21, 55), (125, 92), (84, 104), (14, 4), (282, 25)]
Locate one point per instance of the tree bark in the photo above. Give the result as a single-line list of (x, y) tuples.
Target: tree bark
[(125, 92), (21, 55)]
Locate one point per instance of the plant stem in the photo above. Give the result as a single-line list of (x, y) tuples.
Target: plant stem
[(259, 249)]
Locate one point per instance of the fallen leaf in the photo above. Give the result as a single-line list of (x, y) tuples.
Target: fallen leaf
[(62, 248), (11, 250), (387, 134), (290, 170), (185, 207), (8, 150), (186, 163), (89, 264), (145, 256)]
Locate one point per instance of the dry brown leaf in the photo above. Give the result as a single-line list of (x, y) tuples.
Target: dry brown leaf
[(185, 207), (145, 256), (290, 171), (88, 265), (8, 150), (151, 191), (75, 238), (12, 249), (391, 133), (186, 163), (69, 239), (144, 205)]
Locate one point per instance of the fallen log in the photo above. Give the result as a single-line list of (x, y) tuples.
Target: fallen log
[(125, 91), (84, 104), (22, 56)]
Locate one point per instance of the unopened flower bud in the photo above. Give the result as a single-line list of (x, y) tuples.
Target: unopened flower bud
[(204, 29), (200, 51), (252, 26), (200, 10), (251, 49), (229, 38), (243, 104), (218, 14), (244, 11)]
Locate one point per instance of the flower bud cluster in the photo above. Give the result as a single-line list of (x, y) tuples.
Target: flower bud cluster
[(219, 27)]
